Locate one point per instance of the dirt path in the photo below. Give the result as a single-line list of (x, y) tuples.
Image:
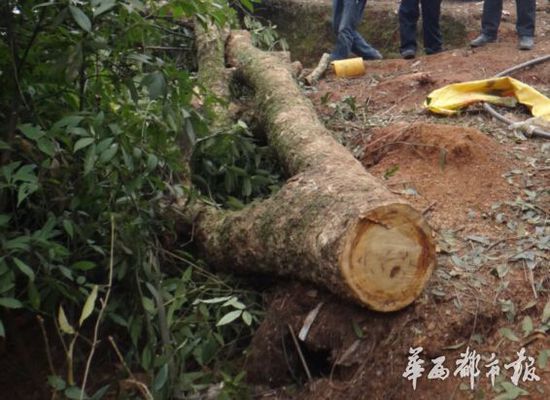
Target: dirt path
[(484, 189)]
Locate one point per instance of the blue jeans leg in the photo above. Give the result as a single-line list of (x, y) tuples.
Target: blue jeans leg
[(346, 17), (526, 10), (408, 18)]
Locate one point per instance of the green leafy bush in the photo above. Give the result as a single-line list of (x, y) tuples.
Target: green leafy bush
[(93, 113)]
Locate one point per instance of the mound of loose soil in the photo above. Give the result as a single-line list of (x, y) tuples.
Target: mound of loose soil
[(456, 172)]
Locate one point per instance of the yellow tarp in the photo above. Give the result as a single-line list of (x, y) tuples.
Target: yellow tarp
[(505, 91)]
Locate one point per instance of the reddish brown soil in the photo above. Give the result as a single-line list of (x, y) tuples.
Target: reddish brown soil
[(468, 196), (455, 173)]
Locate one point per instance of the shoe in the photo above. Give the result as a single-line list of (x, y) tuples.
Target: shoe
[(430, 52), (482, 40), (526, 43), (408, 54), (374, 55)]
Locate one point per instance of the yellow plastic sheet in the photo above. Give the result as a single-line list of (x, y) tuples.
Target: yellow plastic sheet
[(505, 91)]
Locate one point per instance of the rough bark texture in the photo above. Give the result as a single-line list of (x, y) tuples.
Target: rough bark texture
[(332, 223), (210, 41), (319, 70)]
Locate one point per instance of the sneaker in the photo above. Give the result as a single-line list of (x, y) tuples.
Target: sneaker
[(526, 42), (482, 40), (374, 55), (430, 52), (408, 54)]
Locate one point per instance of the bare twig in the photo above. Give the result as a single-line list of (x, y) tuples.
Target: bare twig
[(432, 205), (300, 354), (46, 344), (144, 390), (104, 303), (501, 241), (531, 278)]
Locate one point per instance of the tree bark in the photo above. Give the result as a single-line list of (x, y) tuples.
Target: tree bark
[(332, 223), (212, 74)]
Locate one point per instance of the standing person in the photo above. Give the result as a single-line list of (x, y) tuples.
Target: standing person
[(408, 17), (346, 15), (525, 23)]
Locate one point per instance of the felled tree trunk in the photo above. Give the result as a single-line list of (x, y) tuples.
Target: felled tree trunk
[(212, 74), (332, 223)]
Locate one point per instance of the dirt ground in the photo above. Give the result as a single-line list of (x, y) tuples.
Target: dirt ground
[(485, 191)]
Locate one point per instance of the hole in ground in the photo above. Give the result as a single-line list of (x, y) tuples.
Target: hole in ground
[(318, 360)]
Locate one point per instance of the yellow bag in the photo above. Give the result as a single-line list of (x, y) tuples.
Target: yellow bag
[(504, 91)]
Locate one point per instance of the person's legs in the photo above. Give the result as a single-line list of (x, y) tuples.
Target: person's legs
[(408, 18), (359, 45), (526, 10), (346, 17), (490, 20), (431, 10), (341, 49)]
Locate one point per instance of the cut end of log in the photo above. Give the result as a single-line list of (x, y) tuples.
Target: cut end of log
[(389, 257)]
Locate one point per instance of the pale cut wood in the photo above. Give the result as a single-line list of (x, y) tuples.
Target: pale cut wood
[(319, 70)]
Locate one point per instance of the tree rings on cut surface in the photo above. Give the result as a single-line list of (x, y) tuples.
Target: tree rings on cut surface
[(389, 257)]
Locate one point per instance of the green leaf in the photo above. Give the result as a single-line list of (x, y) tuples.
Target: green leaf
[(235, 303), (4, 219), (25, 190), (546, 312), (89, 160), (18, 243), (542, 359), (24, 268), (105, 6), (357, 330), (247, 318), (75, 393), (30, 131), (56, 382), (100, 393), (88, 305), (69, 227), (34, 296), (152, 162), (63, 322), (10, 302), (229, 317), (46, 146), (68, 121), (4, 145), (160, 378), (108, 154), (2, 330), (81, 19), (508, 334), (391, 171), (247, 187), (212, 300), (148, 305), (84, 265), (511, 392), (155, 83), (527, 326), (82, 143), (146, 358), (248, 5)]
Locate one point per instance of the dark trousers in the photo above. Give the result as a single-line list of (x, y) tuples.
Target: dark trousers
[(492, 11), (409, 12)]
